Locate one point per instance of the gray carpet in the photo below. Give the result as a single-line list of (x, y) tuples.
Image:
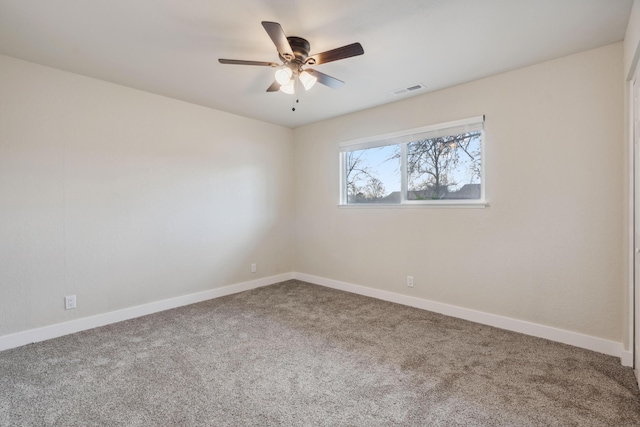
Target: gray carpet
[(304, 355)]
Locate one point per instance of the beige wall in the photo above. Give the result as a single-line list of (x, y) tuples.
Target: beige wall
[(548, 249), (122, 197), (632, 41)]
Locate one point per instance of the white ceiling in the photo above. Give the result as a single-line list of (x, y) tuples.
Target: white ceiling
[(171, 47)]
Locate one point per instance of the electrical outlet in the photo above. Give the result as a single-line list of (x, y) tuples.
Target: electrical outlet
[(254, 268), (69, 302), (410, 281)]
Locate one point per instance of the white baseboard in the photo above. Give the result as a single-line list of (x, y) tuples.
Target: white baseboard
[(554, 334), (53, 331), (588, 342)]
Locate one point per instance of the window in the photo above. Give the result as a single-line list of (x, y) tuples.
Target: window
[(433, 165)]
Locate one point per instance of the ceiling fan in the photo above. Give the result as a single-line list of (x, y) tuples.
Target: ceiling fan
[(294, 54)]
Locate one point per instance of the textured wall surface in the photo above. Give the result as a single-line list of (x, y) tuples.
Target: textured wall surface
[(632, 41), (548, 249), (122, 197)]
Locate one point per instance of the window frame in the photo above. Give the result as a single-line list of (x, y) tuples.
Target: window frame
[(402, 138)]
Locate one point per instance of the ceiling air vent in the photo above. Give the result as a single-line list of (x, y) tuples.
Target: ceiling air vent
[(408, 89)]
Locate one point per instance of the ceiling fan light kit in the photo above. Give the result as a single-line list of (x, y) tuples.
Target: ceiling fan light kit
[(294, 54), (307, 80), (283, 75), (289, 88)]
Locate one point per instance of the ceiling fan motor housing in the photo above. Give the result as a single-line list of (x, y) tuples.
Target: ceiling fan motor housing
[(300, 48)]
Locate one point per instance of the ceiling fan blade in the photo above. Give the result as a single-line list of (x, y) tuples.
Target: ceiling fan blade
[(279, 38), (325, 79), (241, 62), (275, 86), (343, 52)]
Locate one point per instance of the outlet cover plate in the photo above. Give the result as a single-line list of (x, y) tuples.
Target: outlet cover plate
[(69, 302)]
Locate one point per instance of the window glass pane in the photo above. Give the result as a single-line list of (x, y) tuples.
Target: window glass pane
[(373, 175), (443, 168)]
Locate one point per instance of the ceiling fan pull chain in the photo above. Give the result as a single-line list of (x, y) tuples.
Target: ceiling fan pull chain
[(296, 91)]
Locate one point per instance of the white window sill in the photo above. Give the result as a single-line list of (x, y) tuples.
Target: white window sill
[(476, 204)]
